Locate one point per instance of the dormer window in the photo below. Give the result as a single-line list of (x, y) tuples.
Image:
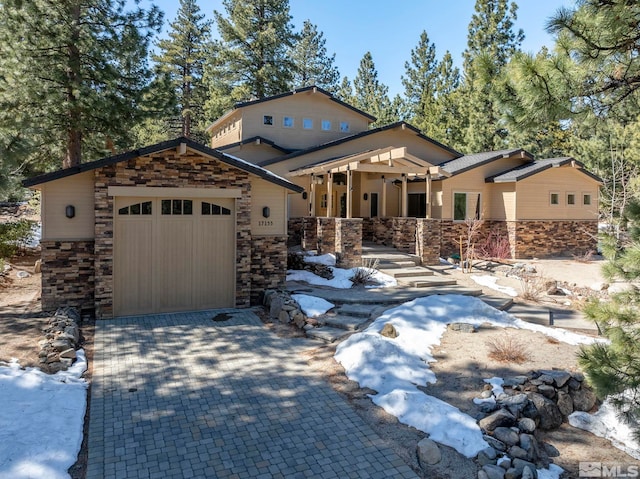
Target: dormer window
[(307, 123), (344, 126), (267, 120), (287, 122)]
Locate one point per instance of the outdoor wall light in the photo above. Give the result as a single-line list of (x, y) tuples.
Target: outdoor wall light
[(70, 211), (266, 212), (365, 196), (304, 195)]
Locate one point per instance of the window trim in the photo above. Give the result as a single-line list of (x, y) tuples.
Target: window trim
[(551, 203), (345, 127), (310, 123), (585, 195), (325, 123), (284, 121), (264, 120), (569, 194)]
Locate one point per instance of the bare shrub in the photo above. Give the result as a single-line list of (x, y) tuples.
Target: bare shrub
[(507, 349), (295, 261), (467, 244), (495, 245), (364, 274), (533, 286), (584, 258)]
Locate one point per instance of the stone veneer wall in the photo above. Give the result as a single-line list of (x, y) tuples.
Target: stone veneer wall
[(404, 234), (382, 231), (348, 242), (367, 228), (326, 235), (555, 238), (268, 265), (295, 229), (428, 241), (309, 233), (67, 274), (168, 169)]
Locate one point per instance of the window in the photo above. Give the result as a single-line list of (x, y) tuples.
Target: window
[(177, 207), (307, 123), (554, 199), (288, 122), (137, 209), (211, 209), (344, 126), (586, 199), (417, 205), (571, 199), (323, 201), (466, 206), (267, 120), (326, 125)]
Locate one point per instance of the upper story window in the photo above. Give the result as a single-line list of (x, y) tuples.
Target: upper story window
[(554, 199), (326, 125), (586, 199), (571, 199), (267, 120), (288, 122), (344, 126), (307, 123), (177, 207)]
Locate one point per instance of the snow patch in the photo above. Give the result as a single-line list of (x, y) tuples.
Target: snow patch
[(491, 282), (312, 306)]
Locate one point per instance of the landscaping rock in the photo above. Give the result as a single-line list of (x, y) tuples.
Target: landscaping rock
[(516, 452), (487, 456), (68, 354), (506, 435), (583, 399), (560, 378), (565, 403), (493, 472), (548, 412), (514, 381), (389, 331), (428, 452), (482, 474), (500, 418), (526, 424), (462, 327), (547, 391)]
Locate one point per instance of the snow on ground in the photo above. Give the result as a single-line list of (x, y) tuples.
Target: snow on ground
[(312, 306), (41, 420), (492, 283), (341, 277), (605, 423), (325, 259), (394, 367)]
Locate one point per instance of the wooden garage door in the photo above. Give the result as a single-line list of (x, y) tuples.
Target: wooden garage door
[(173, 254)]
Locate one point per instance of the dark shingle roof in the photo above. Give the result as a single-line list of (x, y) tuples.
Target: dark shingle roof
[(524, 171), (468, 162), (165, 145), (253, 139), (362, 134)]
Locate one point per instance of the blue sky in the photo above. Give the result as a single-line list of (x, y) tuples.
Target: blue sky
[(390, 29)]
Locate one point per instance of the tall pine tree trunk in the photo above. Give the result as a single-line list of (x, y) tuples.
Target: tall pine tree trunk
[(74, 132)]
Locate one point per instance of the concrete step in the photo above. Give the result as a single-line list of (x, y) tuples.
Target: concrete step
[(355, 309), (427, 281), (347, 323), (501, 303), (529, 314), (392, 257), (396, 264), (326, 334), (410, 272)]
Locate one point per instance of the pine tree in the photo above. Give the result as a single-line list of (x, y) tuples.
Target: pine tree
[(251, 60), (449, 123), (491, 43), (312, 64), (370, 95), (181, 57), (75, 75), (345, 91), (419, 83)]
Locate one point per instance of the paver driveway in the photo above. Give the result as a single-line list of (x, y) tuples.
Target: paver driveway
[(182, 395)]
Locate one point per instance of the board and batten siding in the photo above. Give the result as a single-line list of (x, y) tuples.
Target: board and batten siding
[(77, 191), (228, 132), (502, 202), (534, 195), (274, 197)]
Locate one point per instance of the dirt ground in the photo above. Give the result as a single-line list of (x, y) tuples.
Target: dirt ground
[(462, 362)]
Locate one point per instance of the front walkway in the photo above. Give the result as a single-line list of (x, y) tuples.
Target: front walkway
[(184, 395)]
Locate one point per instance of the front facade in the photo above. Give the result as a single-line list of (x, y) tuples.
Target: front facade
[(180, 226)]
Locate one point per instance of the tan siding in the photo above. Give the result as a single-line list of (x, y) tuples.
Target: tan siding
[(533, 195), (76, 190), (265, 194), (501, 202), (254, 153), (316, 107), (229, 131)]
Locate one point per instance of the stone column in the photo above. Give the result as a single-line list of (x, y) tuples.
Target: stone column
[(326, 235), (428, 240), (309, 233), (348, 242), (404, 234)]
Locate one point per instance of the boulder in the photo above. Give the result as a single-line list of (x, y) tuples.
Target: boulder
[(389, 331), (493, 472), (515, 404), (526, 424), (428, 452), (565, 403), (283, 316), (530, 445), (486, 456), (494, 443), (68, 354), (583, 399), (516, 452), (514, 381), (462, 327), (547, 391), (275, 308), (506, 435), (61, 344), (560, 378), (500, 418), (549, 415)]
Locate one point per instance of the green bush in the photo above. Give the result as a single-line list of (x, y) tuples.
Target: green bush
[(15, 236)]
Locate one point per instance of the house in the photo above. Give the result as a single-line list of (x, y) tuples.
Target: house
[(180, 226)]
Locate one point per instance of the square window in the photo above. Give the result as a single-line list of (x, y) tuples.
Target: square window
[(571, 198), (267, 120), (555, 199), (288, 122), (307, 123), (326, 125), (344, 126), (586, 199)]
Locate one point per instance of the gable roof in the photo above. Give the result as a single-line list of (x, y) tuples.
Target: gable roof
[(162, 146), (314, 89), (339, 141), (468, 162), (253, 139), (524, 171)]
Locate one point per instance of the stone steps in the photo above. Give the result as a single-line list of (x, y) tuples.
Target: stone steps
[(407, 272), (355, 309), (326, 333), (391, 265), (427, 281), (341, 321)]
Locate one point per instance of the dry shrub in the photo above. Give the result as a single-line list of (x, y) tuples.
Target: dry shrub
[(495, 245), (363, 274), (533, 286), (507, 349), (584, 258)]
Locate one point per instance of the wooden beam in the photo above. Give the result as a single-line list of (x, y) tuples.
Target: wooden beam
[(349, 192), (312, 197), (329, 193), (384, 197), (405, 197)]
